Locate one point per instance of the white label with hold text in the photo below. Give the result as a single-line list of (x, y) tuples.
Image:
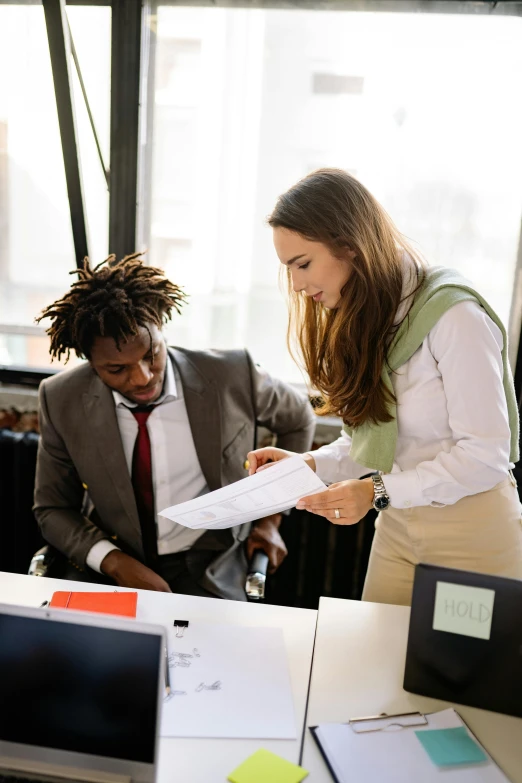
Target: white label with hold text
[(464, 610)]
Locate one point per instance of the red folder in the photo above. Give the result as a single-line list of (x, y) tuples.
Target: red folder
[(107, 603)]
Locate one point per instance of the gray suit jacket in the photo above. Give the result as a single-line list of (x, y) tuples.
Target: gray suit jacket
[(83, 490)]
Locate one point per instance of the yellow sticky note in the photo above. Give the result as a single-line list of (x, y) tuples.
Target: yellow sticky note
[(265, 767)]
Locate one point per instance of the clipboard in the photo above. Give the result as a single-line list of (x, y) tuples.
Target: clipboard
[(384, 747)]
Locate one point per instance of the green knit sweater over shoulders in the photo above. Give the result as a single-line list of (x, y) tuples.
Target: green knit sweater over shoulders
[(373, 445)]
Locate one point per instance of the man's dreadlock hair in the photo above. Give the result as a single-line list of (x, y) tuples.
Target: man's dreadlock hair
[(114, 299)]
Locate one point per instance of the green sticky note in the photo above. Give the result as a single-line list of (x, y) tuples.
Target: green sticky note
[(265, 767), (463, 610), (451, 746)]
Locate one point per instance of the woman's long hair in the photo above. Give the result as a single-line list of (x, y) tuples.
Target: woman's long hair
[(344, 349)]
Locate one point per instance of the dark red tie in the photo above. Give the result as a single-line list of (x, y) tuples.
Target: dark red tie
[(143, 486)]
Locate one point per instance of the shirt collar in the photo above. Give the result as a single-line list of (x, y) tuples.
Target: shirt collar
[(169, 393)]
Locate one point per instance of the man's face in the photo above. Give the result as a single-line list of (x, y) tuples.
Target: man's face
[(137, 370)]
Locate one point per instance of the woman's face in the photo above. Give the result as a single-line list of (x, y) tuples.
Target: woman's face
[(312, 266)]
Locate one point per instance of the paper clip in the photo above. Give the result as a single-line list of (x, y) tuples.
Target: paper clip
[(180, 625), (390, 722)]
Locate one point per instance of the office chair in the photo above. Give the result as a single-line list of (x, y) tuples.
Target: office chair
[(47, 561)]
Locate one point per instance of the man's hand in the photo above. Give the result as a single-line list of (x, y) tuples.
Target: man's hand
[(128, 572), (265, 535)]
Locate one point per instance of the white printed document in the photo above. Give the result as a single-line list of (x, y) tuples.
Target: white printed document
[(268, 492), (228, 681)]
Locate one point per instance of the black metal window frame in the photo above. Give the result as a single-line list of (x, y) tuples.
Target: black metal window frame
[(122, 174), (132, 75)]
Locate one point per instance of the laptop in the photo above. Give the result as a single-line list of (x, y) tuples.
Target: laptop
[(80, 696), (465, 639)]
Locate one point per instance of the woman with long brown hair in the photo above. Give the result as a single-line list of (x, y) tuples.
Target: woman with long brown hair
[(414, 362)]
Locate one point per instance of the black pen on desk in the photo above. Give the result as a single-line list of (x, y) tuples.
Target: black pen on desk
[(167, 672)]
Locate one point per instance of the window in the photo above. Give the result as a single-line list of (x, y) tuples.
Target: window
[(36, 247), (91, 33), (423, 108), (337, 84)]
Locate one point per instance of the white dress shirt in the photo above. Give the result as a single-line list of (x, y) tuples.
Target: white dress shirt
[(453, 428), (176, 472)]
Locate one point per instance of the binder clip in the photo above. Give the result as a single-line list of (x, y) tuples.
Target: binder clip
[(180, 626)]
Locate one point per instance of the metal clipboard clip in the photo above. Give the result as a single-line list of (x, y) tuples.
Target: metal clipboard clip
[(384, 722)]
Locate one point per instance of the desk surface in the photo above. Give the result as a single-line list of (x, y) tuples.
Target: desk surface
[(358, 670), (358, 667), (201, 760)]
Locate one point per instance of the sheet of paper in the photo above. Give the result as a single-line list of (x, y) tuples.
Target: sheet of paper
[(463, 610), (275, 489), (398, 756), (228, 681), (263, 766)]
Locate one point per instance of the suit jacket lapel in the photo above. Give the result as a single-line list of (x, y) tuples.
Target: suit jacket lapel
[(204, 414), (102, 423)]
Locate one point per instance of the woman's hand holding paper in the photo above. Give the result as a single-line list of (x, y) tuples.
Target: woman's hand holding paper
[(260, 459), (351, 499)]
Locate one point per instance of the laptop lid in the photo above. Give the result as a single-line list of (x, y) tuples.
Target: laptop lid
[(81, 693), (465, 639)]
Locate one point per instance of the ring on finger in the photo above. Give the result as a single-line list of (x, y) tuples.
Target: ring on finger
[(337, 513)]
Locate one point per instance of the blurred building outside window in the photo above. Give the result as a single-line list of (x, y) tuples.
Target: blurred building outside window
[(423, 108), (36, 246)]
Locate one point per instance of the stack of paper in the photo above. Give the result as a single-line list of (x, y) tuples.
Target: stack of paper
[(228, 681)]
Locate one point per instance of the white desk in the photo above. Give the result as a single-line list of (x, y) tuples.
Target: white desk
[(358, 670), (201, 760)]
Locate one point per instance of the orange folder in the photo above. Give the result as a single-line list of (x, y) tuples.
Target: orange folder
[(107, 603)]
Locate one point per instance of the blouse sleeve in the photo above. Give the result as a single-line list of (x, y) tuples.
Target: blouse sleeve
[(333, 462), (467, 345)]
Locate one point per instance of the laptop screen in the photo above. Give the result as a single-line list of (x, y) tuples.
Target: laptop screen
[(78, 687)]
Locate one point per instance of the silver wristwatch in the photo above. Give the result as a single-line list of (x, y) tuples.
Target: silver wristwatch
[(381, 499)]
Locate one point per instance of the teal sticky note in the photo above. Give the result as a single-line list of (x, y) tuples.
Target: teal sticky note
[(451, 746), (265, 767), (463, 610)]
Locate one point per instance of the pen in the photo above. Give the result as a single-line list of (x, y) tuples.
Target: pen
[(167, 673)]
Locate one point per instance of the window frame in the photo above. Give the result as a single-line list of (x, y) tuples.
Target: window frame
[(132, 87)]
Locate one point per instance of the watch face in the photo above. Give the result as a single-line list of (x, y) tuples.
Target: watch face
[(381, 503)]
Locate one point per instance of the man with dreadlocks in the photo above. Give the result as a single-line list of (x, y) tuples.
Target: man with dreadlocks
[(139, 427)]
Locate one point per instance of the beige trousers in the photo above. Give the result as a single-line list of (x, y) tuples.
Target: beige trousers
[(478, 533)]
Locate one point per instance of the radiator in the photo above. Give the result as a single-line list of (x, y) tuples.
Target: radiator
[(323, 559)]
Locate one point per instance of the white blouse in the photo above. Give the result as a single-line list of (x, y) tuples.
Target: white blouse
[(452, 417)]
